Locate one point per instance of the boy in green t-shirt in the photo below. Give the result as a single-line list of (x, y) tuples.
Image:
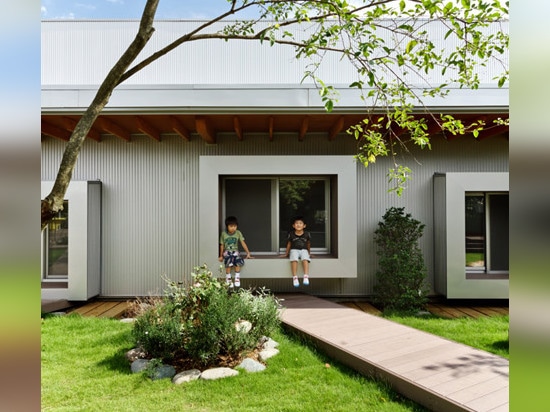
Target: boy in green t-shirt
[(229, 250)]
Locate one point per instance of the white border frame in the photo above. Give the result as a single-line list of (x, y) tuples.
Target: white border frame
[(345, 167), (456, 185)]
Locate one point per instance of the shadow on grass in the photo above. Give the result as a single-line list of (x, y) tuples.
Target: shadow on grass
[(502, 345), (117, 362)]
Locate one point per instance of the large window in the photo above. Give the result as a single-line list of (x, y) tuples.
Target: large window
[(265, 206), (56, 243), (486, 221), (264, 192)]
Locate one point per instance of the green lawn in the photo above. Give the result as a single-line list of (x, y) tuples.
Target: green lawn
[(84, 369), (486, 333)]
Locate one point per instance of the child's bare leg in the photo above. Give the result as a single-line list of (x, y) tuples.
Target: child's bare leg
[(294, 267), (305, 264)]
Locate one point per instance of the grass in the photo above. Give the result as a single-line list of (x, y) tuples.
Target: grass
[(486, 333), (84, 369)]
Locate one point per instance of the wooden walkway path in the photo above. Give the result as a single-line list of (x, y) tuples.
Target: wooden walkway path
[(437, 373)]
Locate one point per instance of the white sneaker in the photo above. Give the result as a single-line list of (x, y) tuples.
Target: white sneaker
[(306, 280), (228, 281), (295, 281), (237, 282)]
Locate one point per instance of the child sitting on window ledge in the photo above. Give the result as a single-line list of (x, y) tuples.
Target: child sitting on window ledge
[(229, 250), (298, 247)]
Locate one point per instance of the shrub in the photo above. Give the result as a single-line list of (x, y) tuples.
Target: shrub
[(199, 322), (401, 278)]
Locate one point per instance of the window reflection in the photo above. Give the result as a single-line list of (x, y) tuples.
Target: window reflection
[(58, 244)]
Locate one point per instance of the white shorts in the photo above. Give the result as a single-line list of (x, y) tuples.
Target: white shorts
[(299, 254)]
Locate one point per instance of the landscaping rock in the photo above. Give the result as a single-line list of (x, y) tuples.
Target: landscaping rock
[(250, 365), (243, 326), (186, 376), (163, 372), (270, 344), (139, 365), (127, 320), (136, 353), (218, 373), (267, 353)]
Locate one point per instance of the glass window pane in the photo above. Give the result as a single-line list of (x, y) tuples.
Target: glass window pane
[(250, 201), (307, 198), (475, 232), (498, 231), (58, 244)]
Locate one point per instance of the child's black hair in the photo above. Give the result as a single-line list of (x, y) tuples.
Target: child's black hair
[(295, 218), (231, 220)]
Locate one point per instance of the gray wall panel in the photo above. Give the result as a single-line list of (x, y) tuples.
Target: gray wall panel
[(150, 201)]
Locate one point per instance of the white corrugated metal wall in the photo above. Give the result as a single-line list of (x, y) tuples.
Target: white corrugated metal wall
[(150, 201), (71, 56)]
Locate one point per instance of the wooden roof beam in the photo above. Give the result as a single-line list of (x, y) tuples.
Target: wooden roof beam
[(55, 131), (177, 126), (113, 128), (271, 126), (70, 125), (336, 128), (492, 131), (205, 130), (238, 128), (303, 128), (146, 128)]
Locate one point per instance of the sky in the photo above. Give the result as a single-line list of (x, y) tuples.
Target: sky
[(130, 9)]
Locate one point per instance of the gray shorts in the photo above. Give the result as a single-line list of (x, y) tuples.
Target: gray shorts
[(299, 254)]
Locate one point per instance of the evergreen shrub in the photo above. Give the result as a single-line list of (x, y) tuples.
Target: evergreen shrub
[(401, 278)]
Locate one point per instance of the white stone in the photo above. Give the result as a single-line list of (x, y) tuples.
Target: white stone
[(127, 320), (267, 353), (270, 344), (243, 326), (218, 373), (136, 353), (186, 376), (250, 365)]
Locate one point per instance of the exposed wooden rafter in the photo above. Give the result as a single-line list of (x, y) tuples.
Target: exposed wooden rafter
[(237, 127), (271, 125), (492, 131), (205, 130), (303, 128), (56, 132), (177, 126), (336, 128), (110, 127), (70, 125), (146, 128)]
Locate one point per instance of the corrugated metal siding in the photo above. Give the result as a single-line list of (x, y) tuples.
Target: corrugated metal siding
[(82, 52), (150, 201)]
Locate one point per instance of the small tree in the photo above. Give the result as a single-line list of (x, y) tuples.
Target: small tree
[(402, 274), (386, 41)]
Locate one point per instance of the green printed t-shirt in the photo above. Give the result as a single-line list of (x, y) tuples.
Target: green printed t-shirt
[(231, 242)]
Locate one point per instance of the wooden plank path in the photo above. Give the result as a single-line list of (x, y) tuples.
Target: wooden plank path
[(102, 309), (437, 373)]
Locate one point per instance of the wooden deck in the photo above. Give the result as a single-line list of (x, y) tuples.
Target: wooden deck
[(437, 373)]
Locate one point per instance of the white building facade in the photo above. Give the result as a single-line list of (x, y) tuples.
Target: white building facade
[(218, 128)]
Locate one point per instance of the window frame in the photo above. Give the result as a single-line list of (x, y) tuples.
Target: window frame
[(344, 170), (451, 278), (276, 249), (487, 268)]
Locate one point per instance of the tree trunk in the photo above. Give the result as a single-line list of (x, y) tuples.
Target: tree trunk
[(53, 203)]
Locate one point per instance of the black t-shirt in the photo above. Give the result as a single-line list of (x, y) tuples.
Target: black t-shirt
[(298, 241)]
